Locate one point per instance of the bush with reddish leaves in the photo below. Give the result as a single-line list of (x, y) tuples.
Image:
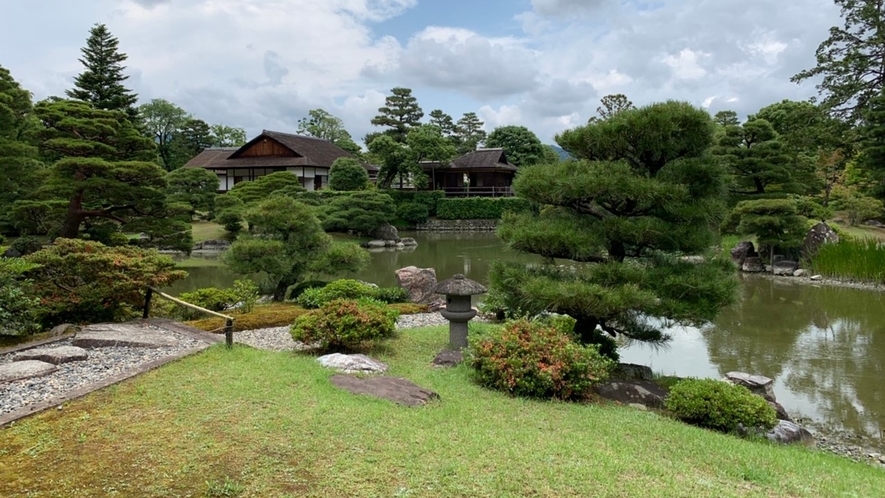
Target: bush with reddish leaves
[(533, 360), (345, 324)]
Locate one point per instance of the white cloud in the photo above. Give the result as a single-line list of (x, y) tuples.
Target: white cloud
[(686, 65)]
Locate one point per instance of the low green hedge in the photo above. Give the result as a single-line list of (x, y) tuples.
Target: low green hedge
[(479, 208)]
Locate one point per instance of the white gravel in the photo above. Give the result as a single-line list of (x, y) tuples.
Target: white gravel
[(101, 364)]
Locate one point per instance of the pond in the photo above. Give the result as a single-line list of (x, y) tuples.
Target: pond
[(824, 346)]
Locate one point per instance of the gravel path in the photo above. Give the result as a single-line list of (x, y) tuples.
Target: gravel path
[(279, 339), (101, 364)]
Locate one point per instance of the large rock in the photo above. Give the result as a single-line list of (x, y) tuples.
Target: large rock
[(787, 432), (781, 411), (741, 252), (18, 370), (753, 264), (630, 371), (784, 267), (398, 390), (103, 335), (376, 244), (56, 355), (352, 363), (757, 384), (448, 358), (408, 241), (630, 392), (386, 232), (817, 236), (420, 284)]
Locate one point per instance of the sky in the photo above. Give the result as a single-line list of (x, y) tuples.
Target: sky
[(543, 64)]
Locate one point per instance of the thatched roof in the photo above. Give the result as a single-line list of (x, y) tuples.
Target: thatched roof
[(480, 159), (306, 151)]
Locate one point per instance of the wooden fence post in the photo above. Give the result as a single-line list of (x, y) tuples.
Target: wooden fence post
[(147, 302), (229, 332)]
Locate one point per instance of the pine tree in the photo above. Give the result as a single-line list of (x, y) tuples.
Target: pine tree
[(522, 146), (470, 132), (872, 143), (756, 158), (400, 113), (101, 83), (644, 192)]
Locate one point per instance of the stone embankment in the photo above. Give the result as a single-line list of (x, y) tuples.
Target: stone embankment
[(458, 225)]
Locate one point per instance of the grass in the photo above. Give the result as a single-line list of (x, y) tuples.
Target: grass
[(251, 423), (855, 259), (207, 230)]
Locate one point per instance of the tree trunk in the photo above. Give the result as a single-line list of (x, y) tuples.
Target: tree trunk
[(585, 329), (70, 228), (760, 188), (617, 251), (279, 293)]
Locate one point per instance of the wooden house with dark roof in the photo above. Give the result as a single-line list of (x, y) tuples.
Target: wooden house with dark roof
[(483, 172), (308, 158)]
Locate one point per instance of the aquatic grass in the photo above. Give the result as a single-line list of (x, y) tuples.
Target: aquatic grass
[(246, 423), (853, 259)]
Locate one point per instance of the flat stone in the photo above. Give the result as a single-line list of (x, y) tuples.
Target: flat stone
[(18, 370), (786, 432), (448, 358), (800, 273), (62, 329), (640, 392), (102, 335), (408, 241), (632, 371), (817, 277), (785, 267), (352, 363), (757, 384), (376, 244), (56, 355), (398, 390)]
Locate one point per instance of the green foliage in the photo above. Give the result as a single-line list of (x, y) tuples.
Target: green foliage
[(246, 294), (479, 208), (211, 298), (613, 105), (26, 245), (775, 222), (533, 360), (347, 174), (854, 260), (287, 242), (755, 158), (195, 187), (229, 212), (101, 82), (858, 207), (521, 146), (719, 405), (316, 297), (412, 213), (344, 324), (296, 290), (643, 193), (360, 212), (321, 124), (849, 60), (400, 114), (161, 120), (469, 133), (17, 306), (80, 281), (429, 198), (872, 142), (279, 183)]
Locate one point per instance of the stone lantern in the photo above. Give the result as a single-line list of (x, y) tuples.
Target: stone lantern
[(458, 310)]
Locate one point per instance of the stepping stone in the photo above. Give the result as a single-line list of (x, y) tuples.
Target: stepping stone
[(18, 370), (398, 390), (448, 358), (56, 355), (104, 335), (352, 363)]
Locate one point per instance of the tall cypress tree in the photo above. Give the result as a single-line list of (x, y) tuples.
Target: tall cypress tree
[(101, 83)]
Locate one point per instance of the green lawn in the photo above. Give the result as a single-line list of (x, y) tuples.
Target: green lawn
[(207, 230), (253, 423)]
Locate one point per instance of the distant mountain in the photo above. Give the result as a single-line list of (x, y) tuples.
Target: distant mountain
[(562, 153)]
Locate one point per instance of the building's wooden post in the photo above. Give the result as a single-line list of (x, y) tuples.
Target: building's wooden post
[(147, 302)]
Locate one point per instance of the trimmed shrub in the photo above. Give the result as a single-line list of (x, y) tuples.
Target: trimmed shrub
[(344, 288), (26, 244), (533, 360), (245, 293), (412, 213), (348, 174), (297, 289), (391, 295), (310, 298), (479, 208), (345, 323), (429, 198), (16, 305), (719, 405)]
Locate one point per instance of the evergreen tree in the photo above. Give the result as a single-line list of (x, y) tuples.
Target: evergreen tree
[(444, 122), (726, 119), (162, 121), (872, 144), (19, 167), (104, 179), (644, 192), (192, 137), (776, 223), (522, 146), (400, 113), (755, 158), (321, 124), (195, 187), (470, 133), (852, 59), (347, 174), (612, 105), (101, 83)]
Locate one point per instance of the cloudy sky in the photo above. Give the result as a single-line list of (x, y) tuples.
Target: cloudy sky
[(539, 63)]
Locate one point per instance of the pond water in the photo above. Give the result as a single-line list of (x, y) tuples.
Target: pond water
[(824, 346)]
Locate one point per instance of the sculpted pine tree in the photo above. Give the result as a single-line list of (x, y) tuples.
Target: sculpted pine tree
[(755, 158), (101, 83), (644, 192), (470, 133), (852, 59), (104, 178), (522, 146), (400, 113), (726, 119)]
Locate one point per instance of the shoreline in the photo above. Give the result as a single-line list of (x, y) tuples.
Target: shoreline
[(833, 282)]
